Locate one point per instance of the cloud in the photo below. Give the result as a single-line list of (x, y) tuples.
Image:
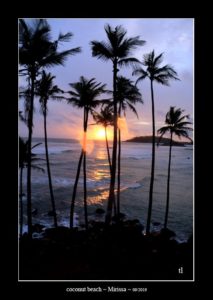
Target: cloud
[(142, 123)]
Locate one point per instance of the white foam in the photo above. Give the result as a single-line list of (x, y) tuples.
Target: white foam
[(61, 222)]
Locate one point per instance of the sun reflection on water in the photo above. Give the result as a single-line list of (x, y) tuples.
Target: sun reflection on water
[(100, 174), (101, 155), (98, 199)]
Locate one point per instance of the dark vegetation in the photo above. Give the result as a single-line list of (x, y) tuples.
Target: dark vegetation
[(119, 251)]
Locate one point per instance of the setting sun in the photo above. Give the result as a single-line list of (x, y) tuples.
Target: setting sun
[(97, 132), (100, 134)]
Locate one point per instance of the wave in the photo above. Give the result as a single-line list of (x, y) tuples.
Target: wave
[(67, 151), (62, 221), (134, 185), (52, 150)]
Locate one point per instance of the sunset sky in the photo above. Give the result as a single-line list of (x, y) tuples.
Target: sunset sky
[(174, 37)]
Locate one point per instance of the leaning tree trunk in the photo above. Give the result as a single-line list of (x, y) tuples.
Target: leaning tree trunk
[(119, 172), (21, 200), (168, 184), (119, 166), (72, 206), (110, 166), (107, 146), (153, 163), (84, 169), (30, 128), (114, 151), (48, 171)]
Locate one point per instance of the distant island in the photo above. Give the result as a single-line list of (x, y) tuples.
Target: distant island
[(163, 142)]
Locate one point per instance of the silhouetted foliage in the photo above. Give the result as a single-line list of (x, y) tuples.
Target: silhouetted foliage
[(161, 75), (84, 94), (23, 161), (128, 96), (118, 48), (105, 118), (38, 51), (175, 125), (45, 90)]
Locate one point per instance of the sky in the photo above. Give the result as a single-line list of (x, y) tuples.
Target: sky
[(173, 37)]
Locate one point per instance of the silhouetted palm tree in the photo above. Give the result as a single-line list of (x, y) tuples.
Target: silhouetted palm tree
[(23, 160), (45, 90), (117, 49), (105, 118), (175, 125), (128, 96), (84, 95), (161, 75), (37, 51)]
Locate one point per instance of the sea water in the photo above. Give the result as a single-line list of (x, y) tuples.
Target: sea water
[(135, 180)]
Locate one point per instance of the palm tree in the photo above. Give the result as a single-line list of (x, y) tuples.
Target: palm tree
[(84, 95), (160, 75), (175, 125), (23, 160), (45, 89), (105, 118), (127, 96), (117, 49), (38, 51)]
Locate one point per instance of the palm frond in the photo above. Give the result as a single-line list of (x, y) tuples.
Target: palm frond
[(117, 46), (37, 168), (141, 73), (65, 37), (36, 145), (130, 61), (85, 93), (128, 45), (162, 131), (133, 109), (158, 59), (58, 98), (22, 118), (58, 58), (175, 124), (101, 50)]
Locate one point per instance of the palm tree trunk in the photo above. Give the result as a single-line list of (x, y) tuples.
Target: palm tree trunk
[(107, 146), (168, 184), (119, 171), (48, 172), (75, 189), (85, 192), (30, 128), (84, 171), (110, 166), (153, 163), (21, 201), (114, 151)]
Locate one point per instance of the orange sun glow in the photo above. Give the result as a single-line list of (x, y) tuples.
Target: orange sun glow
[(100, 134)]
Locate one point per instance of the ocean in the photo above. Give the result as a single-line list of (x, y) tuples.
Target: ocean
[(135, 179)]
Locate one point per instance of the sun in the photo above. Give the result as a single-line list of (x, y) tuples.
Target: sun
[(100, 134), (97, 133)]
